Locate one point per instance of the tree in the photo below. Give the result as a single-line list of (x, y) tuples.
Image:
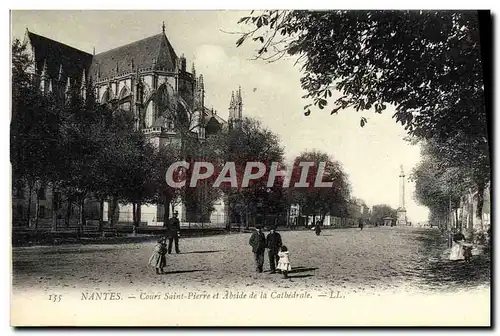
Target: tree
[(34, 129), (320, 201), (426, 63), (139, 186), (416, 60), (441, 181), (248, 141), (165, 156), (467, 166), (380, 211), (84, 135)]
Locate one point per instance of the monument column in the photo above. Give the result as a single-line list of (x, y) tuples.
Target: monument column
[(401, 213)]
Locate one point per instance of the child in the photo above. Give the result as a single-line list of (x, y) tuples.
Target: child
[(284, 261), (157, 259), (467, 247)]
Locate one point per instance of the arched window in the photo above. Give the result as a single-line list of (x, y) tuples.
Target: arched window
[(106, 96), (149, 115), (125, 92)]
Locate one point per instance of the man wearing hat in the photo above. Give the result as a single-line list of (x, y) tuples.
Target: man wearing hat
[(173, 231), (258, 243), (273, 243)]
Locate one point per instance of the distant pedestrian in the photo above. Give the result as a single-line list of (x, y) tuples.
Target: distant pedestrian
[(361, 225), (173, 232), (158, 259), (284, 261), (258, 243), (317, 228), (273, 243)]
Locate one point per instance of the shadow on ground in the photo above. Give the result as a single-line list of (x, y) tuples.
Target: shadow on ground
[(300, 276), (185, 271), (301, 269), (78, 250)]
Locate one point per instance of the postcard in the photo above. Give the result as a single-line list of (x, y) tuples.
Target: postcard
[(250, 168)]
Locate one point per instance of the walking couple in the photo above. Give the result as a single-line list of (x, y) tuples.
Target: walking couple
[(278, 253)]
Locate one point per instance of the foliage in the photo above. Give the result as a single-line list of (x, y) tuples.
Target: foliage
[(34, 117), (321, 200), (380, 211), (441, 178), (426, 63), (249, 141)]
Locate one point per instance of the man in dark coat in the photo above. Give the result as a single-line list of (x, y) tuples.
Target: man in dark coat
[(258, 243), (173, 231), (317, 228), (273, 243)]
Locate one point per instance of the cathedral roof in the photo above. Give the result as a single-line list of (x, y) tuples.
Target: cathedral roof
[(151, 52), (55, 54), (209, 115)]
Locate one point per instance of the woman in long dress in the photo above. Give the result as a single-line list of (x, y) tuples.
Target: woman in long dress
[(457, 250)]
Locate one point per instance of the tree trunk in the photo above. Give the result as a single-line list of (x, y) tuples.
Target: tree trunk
[(247, 220), (68, 212), (167, 199), (37, 207), (480, 202), (459, 224), (101, 214), (228, 219), (139, 214), (29, 204), (81, 219), (112, 210), (54, 210), (134, 207), (137, 217)]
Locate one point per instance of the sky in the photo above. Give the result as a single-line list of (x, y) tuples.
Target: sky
[(371, 156)]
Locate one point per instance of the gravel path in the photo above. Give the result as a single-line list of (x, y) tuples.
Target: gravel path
[(364, 262)]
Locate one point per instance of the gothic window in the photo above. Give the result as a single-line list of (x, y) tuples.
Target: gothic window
[(149, 115), (125, 92), (106, 96), (140, 92)]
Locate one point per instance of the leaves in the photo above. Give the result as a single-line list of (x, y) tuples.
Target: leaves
[(241, 40), (363, 121), (244, 19), (320, 200), (259, 38), (412, 60)]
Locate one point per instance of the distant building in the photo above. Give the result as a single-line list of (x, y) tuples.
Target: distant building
[(388, 221)]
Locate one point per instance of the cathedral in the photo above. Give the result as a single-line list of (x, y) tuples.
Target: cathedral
[(144, 78)]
